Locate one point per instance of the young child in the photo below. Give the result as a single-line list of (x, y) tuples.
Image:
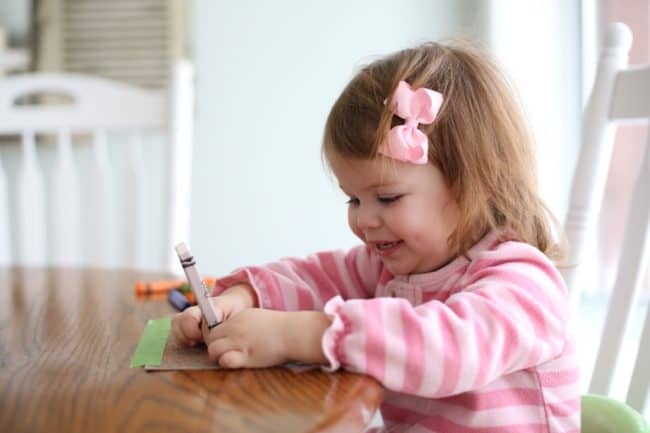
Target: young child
[(452, 302)]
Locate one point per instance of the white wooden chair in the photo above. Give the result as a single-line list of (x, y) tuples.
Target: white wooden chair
[(106, 111), (620, 94)]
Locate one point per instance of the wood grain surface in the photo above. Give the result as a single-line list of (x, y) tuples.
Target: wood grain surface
[(66, 340)]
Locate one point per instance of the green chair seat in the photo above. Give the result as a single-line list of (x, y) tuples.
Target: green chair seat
[(601, 414)]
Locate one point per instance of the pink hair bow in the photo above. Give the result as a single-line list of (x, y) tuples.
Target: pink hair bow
[(406, 142)]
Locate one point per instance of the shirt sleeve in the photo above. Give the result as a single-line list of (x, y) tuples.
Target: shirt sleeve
[(509, 315), (293, 284)]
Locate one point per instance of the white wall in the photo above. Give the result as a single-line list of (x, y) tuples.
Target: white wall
[(539, 44), (267, 73)]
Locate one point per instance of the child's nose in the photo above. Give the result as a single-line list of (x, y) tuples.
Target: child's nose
[(367, 218)]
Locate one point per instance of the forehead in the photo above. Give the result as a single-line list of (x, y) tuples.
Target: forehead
[(361, 174)]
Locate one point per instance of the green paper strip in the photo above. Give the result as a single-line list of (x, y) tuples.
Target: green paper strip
[(152, 343)]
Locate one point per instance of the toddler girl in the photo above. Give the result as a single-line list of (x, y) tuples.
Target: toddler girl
[(452, 302)]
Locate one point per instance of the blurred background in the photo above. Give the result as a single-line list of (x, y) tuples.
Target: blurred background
[(266, 74)]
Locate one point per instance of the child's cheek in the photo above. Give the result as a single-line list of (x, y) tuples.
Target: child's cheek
[(353, 225)]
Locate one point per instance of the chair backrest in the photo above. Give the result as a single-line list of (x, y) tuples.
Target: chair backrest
[(620, 94), (78, 202)]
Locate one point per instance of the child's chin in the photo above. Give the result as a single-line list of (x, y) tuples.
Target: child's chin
[(396, 268)]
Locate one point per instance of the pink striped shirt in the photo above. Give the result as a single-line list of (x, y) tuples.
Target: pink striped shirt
[(479, 345)]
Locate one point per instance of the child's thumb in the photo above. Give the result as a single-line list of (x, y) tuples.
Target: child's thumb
[(232, 359)]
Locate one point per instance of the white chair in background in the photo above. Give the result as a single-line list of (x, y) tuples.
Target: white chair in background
[(102, 109), (620, 94)]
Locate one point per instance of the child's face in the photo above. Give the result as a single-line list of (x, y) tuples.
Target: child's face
[(404, 212)]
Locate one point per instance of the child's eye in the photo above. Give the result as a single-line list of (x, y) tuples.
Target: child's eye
[(353, 201), (389, 198)]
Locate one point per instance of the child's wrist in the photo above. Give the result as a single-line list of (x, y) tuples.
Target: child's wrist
[(303, 332)]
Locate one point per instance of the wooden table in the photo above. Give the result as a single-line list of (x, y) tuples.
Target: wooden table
[(66, 340)]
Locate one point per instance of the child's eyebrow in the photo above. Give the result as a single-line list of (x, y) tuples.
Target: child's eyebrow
[(374, 185), (381, 184)]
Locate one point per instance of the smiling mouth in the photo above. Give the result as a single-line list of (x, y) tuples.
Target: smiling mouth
[(387, 248)]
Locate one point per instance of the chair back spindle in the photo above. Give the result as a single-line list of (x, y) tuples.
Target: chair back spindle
[(633, 260), (134, 199), (65, 205), (5, 255), (620, 94), (31, 209), (101, 202), (593, 160)]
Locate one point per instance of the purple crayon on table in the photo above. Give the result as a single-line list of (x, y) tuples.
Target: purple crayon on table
[(178, 300)]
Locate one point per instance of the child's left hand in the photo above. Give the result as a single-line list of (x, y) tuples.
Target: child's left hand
[(257, 337), (250, 338)]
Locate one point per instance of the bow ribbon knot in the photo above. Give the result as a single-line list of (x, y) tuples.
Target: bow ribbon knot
[(406, 142)]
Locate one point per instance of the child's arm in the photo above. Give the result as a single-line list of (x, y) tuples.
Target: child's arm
[(306, 284), (290, 284), (510, 316)]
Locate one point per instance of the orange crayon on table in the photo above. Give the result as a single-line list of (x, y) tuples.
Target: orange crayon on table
[(190, 297), (209, 282), (158, 286), (146, 288)]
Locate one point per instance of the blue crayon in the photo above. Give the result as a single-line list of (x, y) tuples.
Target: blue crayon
[(178, 300)]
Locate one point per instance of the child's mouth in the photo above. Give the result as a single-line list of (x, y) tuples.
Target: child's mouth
[(387, 248)]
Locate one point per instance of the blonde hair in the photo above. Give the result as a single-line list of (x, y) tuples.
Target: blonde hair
[(479, 140)]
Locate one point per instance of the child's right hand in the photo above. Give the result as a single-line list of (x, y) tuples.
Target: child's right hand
[(186, 326)]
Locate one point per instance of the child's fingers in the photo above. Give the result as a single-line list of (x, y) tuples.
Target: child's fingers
[(228, 304), (232, 359), (221, 307), (217, 348), (190, 326), (176, 327), (179, 334)]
